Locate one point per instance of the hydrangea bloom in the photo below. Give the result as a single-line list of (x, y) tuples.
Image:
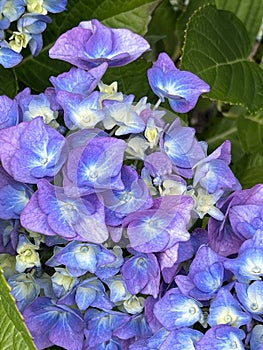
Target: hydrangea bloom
[(251, 297), (51, 212), (181, 146), (92, 43), (100, 232), (59, 324), (31, 151), (248, 266), (222, 337), (141, 274), (256, 341), (46, 6), (8, 57), (78, 80), (181, 339), (243, 217), (95, 167), (174, 310), (33, 106), (161, 226), (180, 87), (90, 292), (213, 172), (24, 289), (134, 196), (31, 20), (206, 275), (225, 309), (8, 111), (80, 258), (102, 325), (80, 111), (15, 194)]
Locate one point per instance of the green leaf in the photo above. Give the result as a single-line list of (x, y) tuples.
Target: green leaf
[(258, 117), (185, 16), (133, 14), (249, 170), (8, 84), (216, 48), (250, 12), (13, 332), (161, 31), (250, 134)]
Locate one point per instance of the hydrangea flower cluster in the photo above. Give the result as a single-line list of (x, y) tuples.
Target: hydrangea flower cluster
[(22, 23), (102, 239)]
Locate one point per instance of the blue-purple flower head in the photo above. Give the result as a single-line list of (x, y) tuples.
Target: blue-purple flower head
[(32, 25), (92, 43), (8, 57), (8, 112), (59, 324), (206, 275), (95, 167), (243, 218), (161, 226), (45, 6), (181, 88), (31, 151), (175, 310), (222, 337), (51, 212), (13, 196), (79, 81)]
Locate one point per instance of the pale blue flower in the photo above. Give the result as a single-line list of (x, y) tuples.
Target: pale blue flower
[(180, 87)]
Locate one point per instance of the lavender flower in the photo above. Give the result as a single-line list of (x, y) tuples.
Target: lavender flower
[(243, 217), (134, 196), (225, 309), (180, 87), (59, 324), (51, 212), (181, 146), (78, 80), (92, 43), (222, 337), (102, 325), (8, 112), (95, 167), (161, 226), (141, 274), (31, 151), (13, 196), (206, 275), (174, 310)]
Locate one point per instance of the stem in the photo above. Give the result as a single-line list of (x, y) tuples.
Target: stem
[(157, 104)]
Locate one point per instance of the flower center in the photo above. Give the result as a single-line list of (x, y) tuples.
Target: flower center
[(126, 196), (256, 269), (192, 310), (254, 306)]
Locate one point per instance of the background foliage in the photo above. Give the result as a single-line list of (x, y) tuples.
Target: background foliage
[(215, 39)]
